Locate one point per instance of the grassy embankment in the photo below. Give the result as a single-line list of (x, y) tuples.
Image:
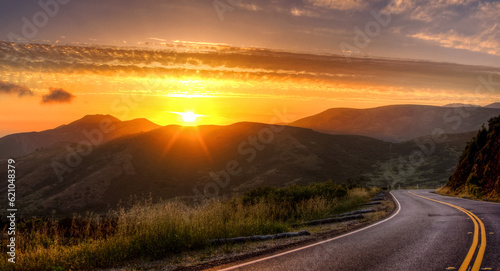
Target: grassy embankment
[(152, 231), (467, 192), (478, 173)]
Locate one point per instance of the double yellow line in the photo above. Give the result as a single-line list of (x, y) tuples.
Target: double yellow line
[(472, 250)]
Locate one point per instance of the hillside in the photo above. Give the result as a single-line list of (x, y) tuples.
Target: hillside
[(398, 123), (91, 128), (460, 105), (176, 161), (478, 173), (493, 105)]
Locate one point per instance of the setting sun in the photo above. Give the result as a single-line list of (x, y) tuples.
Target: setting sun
[(189, 116)]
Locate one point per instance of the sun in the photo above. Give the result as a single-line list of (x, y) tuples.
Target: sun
[(189, 116)]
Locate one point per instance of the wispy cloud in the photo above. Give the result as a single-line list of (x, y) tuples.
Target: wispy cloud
[(57, 96), (488, 41), (340, 5), (9, 88), (423, 8), (399, 6), (250, 6), (471, 25), (158, 39), (304, 12)]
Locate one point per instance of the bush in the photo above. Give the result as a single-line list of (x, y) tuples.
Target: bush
[(295, 193)]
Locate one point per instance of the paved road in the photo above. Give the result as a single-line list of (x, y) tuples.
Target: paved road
[(422, 235)]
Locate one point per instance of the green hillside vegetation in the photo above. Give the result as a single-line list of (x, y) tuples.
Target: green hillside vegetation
[(176, 161), (478, 172), (153, 231)]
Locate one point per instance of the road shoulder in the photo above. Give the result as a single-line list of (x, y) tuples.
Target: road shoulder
[(217, 256)]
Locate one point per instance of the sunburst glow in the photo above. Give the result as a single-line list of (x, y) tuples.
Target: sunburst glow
[(189, 116)]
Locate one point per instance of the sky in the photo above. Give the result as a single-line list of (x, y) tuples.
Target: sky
[(239, 60)]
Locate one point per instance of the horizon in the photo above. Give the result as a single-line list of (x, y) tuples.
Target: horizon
[(195, 122), (239, 61), (221, 84)]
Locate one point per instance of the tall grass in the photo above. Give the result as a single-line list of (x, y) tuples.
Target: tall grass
[(469, 191), (152, 231)]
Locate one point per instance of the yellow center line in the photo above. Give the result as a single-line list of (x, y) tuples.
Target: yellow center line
[(482, 249), (470, 254)]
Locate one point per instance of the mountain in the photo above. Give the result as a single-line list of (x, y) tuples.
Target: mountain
[(478, 172), (194, 162), (460, 105), (91, 129), (398, 123), (493, 105)]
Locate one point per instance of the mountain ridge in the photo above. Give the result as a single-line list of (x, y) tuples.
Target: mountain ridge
[(205, 161), (109, 127), (398, 123), (493, 105)]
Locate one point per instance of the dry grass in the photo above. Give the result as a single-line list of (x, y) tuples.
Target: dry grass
[(467, 193), (149, 231)]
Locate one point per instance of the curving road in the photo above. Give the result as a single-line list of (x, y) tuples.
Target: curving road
[(428, 232)]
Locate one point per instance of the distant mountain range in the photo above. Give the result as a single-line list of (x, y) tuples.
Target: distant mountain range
[(96, 128), (398, 123), (493, 105), (100, 161), (187, 162), (461, 105)]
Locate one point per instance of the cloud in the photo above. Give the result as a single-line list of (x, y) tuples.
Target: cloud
[(487, 41), (340, 5), (398, 6), (422, 9), (251, 7), (158, 39), (235, 72), (57, 96), (460, 24), (303, 12), (9, 88)]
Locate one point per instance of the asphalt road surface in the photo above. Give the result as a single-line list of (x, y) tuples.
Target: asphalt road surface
[(423, 234)]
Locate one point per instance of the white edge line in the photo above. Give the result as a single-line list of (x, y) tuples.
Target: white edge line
[(319, 243)]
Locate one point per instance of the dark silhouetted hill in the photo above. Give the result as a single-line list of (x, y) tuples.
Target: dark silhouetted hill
[(91, 128), (460, 105), (187, 162), (397, 123), (493, 105)]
